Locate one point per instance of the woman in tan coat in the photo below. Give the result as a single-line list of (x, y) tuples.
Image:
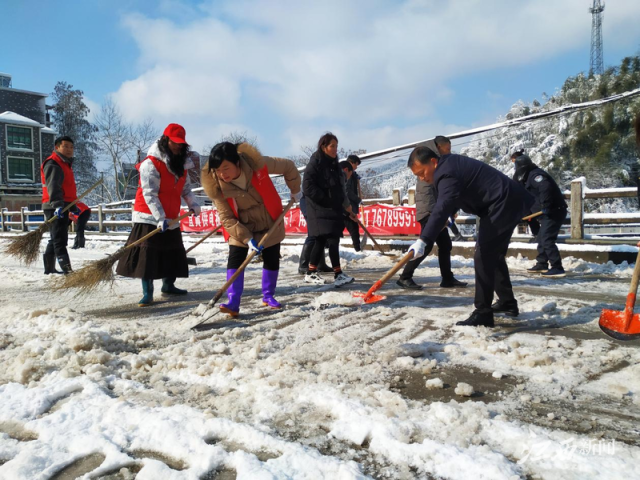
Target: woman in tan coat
[(236, 178)]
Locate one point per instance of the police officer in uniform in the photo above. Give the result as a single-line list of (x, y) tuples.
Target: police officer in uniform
[(500, 203), (550, 201)]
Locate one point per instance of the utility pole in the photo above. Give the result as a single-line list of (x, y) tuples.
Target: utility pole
[(596, 64)]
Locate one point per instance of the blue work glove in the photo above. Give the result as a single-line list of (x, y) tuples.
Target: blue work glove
[(195, 210), (418, 248), (545, 211), (59, 213), (164, 225), (253, 245)]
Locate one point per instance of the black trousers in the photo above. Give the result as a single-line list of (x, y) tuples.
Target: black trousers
[(82, 223), (444, 255), (59, 234), (270, 257), (333, 243), (492, 274), (354, 230), (547, 237)]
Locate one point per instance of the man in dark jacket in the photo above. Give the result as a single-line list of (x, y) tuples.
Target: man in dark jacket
[(58, 191), (443, 147), (550, 201), (352, 194), (500, 203), (425, 201)]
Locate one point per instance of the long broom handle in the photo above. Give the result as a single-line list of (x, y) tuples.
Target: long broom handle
[(157, 230), (376, 286), (370, 236), (204, 238), (252, 254), (534, 215), (87, 192)]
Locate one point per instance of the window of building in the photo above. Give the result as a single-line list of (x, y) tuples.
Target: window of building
[(19, 138), (20, 169)]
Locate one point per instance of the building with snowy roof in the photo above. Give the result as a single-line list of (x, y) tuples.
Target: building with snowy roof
[(25, 140)]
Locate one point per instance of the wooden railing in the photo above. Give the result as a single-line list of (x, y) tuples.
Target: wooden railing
[(20, 220)]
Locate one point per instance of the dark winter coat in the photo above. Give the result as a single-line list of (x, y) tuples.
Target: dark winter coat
[(425, 199), (324, 188), (544, 188), (352, 192), (54, 178), (468, 184)]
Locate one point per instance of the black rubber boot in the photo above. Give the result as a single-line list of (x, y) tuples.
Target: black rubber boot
[(168, 287), (65, 263), (49, 264), (78, 242), (305, 255), (323, 267)]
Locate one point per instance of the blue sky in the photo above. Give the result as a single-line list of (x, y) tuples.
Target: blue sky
[(376, 73)]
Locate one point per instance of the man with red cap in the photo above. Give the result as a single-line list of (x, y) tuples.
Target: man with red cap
[(163, 182)]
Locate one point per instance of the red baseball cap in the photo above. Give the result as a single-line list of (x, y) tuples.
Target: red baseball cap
[(175, 133)]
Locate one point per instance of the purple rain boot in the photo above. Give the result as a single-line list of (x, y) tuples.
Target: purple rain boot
[(234, 294), (269, 281)]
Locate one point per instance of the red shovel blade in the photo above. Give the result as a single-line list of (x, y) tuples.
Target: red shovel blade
[(369, 298), (615, 324)]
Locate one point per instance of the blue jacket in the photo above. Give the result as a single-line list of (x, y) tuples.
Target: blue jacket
[(470, 185)]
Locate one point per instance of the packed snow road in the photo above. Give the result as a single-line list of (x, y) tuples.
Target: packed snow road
[(95, 387)]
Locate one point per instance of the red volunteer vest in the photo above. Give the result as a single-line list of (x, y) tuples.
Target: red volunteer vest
[(169, 193), (261, 181), (69, 193)]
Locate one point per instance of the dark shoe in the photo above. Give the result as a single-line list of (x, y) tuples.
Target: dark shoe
[(555, 272), (147, 293), (458, 238), (452, 283), (508, 309), (168, 287), (408, 284), (305, 255), (65, 264), (478, 319), (538, 268), (49, 264)]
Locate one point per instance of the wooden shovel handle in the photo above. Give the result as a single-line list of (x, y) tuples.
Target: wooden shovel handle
[(370, 236), (633, 288), (252, 254), (376, 286), (204, 238), (80, 197), (533, 215), (157, 230)]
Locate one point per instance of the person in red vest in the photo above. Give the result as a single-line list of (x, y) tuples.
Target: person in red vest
[(236, 178), (80, 219), (163, 181), (58, 191)]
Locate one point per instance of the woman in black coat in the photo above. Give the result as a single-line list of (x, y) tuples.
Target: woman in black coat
[(324, 188)]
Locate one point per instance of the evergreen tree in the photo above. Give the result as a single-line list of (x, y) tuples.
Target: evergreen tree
[(70, 118)]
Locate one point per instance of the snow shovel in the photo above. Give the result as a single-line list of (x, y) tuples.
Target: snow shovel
[(192, 260), (250, 256), (369, 297), (624, 325), (367, 234)]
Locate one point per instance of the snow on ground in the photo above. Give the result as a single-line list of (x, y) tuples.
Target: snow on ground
[(95, 387)]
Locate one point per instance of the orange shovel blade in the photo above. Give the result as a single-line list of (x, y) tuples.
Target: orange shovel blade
[(616, 324), (369, 298)]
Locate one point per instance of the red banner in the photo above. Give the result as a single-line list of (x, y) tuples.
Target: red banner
[(379, 219)]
